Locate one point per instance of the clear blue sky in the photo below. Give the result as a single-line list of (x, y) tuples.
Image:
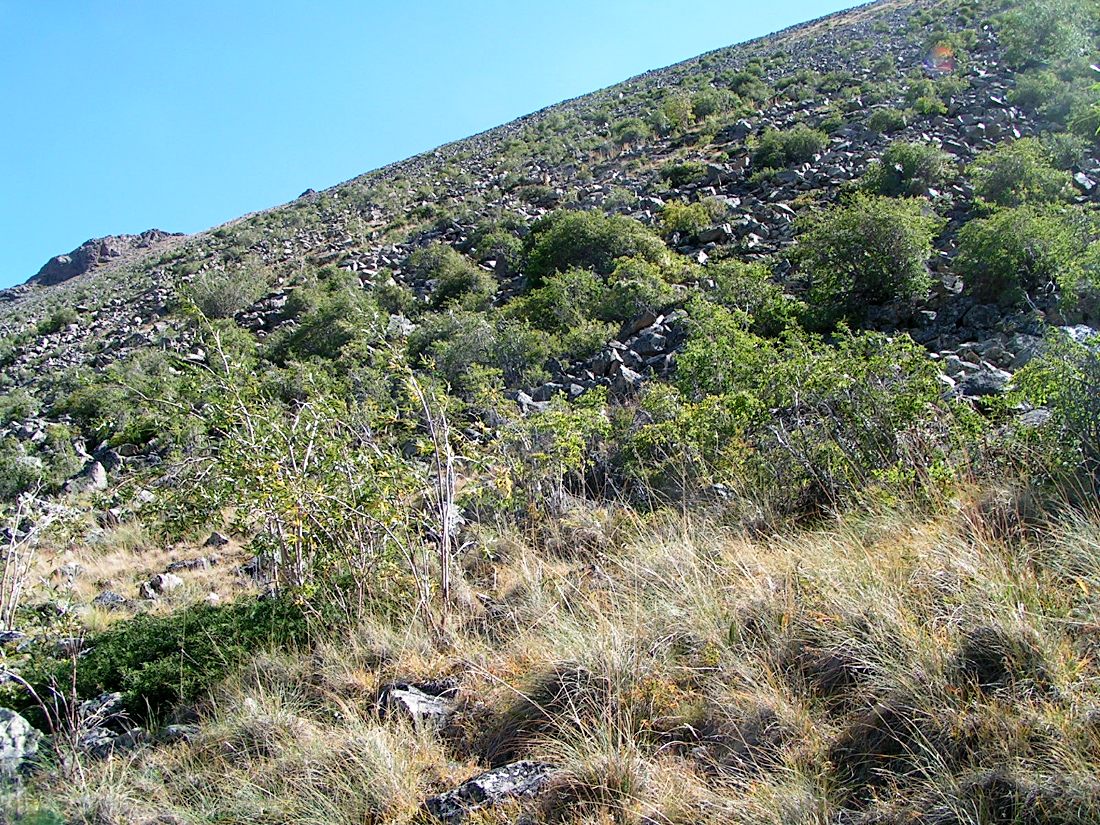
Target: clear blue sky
[(121, 115)]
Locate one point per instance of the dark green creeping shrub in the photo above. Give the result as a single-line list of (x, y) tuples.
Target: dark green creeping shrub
[(157, 662)]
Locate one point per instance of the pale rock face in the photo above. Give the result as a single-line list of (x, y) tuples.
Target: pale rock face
[(18, 742)]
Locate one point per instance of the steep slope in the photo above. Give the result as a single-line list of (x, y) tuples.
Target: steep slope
[(719, 446)]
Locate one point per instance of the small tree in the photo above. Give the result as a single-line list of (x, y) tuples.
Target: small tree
[(870, 251)]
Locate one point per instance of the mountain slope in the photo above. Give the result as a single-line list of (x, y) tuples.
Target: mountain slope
[(719, 446)]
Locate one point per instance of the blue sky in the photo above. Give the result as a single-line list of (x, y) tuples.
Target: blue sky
[(122, 115)]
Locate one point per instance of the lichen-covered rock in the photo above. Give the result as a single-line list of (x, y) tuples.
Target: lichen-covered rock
[(519, 780), (18, 743)]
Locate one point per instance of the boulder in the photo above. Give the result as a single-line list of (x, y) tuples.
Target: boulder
[(18, 743), (519, 780), (216, 539), (428, 704), (160, 584)]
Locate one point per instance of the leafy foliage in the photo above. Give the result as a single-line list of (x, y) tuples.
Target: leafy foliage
[(869, 251), (908, 169), (1018, 252), (798, 144), (589, 240), (1018, 173)]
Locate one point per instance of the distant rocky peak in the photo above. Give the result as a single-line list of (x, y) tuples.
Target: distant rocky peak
[(93, 252)]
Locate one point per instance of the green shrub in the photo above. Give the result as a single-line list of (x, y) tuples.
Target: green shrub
[(672, 116), (1040, 31), (636, 285), (1017, 173), (17, 406), (456, 279), (630, 131), (681, 174), (798, 423), (1064, 149), (747, 85), (589, 240), (870, 251), (57, 320), (224, 294), (157, 662), (331, 315), (1061, 100), (929, 106), (886, 121), (709, 102), (688, 219), (1065, 379), (455, 342), (1017, 252), (798, 144), (748, 288), (909, 169)]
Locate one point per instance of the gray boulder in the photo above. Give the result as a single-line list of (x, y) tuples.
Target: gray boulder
[(427, 704), (18, 743), (520, 780)]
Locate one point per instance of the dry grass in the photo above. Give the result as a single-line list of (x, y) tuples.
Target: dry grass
[(889, 670)]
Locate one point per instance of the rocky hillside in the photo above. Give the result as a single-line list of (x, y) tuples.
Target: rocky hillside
[(719, 446)]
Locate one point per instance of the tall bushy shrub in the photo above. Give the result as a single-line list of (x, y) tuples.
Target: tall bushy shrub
[(909, 169), (1020, 252), (589, 240), (1018, 173), (869, 251)]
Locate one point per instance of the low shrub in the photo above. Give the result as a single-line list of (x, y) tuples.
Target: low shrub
[(886, 121), (1018, 173), (909, 169), (682, 174), (798, 144), (224, 294), (1021, 252), (588, 240)]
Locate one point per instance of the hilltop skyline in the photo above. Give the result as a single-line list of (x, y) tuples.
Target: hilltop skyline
[(182, 118)]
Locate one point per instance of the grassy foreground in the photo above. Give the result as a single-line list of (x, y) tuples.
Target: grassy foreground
[(887, 669)]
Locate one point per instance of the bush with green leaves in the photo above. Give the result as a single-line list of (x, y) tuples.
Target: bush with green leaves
[(909, 169), (57, 320), (682, 174), (222, 294), (749, 288), (869, 251), (566, 306), (631, 131), (456, 280), (798, 423), (18, 405), (1023, 252), (687, 219), (1041, 31), (332, 314), (157, 662), (1065, 379), (1017, 173), (887, 120), (1064, 149), (588, 240), (454, 342), (747, 85), (710, 102), (635, 286), (779, 148)]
